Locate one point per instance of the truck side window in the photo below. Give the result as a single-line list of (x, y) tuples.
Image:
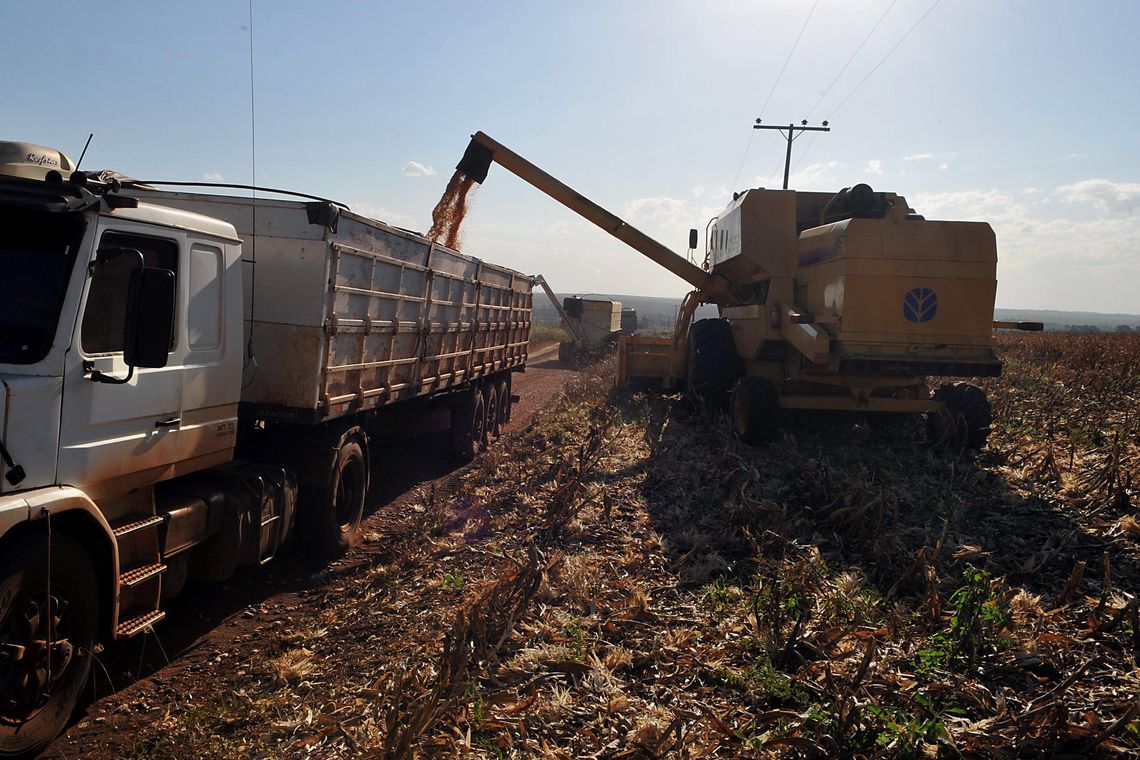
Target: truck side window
[(204, 312), (105, 315)]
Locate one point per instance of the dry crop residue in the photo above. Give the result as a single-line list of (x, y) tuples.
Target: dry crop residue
[(624, 580), (448, 215)]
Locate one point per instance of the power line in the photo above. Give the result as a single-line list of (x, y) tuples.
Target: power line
[(843, 102), (773, 90), (884, 58), (826, 90), (788, 59)]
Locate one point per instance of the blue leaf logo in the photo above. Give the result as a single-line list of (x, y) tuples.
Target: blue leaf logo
[(920, 305)]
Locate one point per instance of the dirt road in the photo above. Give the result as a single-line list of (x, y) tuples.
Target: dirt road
[(135, 679)]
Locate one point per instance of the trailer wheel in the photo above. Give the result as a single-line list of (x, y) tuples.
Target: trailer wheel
[(713, 364), (755, 410), (36, 702), (336, 510), (503, 387), (468, 420), (965, 421), (491, 408)]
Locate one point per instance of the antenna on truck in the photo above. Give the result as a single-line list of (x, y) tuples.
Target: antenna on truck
[(84, 153), (251, 360)]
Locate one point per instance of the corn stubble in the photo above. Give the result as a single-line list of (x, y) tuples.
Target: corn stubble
[(648, 588)]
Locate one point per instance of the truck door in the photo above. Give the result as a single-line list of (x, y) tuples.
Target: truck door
[(211, 385), (116, 437)]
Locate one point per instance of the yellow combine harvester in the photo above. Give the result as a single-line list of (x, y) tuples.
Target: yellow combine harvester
[(836, 301)]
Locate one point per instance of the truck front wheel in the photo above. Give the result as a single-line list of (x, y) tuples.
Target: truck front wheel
[(47, 638), (337, 508)]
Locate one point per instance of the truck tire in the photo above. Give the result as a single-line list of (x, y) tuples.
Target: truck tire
[(491, 407), (965, 422), (713, 364), (503, 389), (567, 352), (468, 418), (335, 509), (33, 710), (755, 410)]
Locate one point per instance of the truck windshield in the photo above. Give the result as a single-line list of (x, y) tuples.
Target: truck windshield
[(37, 251)]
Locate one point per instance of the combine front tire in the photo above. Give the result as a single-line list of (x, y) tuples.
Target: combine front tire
[(713, 364), (47, 638), (567, 352), (964, 423), (755, 410)]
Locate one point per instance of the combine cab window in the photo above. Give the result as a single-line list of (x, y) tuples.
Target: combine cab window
[(37, 252), (104, 318)]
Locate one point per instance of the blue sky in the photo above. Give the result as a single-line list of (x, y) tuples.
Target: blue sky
[(1023, 114)]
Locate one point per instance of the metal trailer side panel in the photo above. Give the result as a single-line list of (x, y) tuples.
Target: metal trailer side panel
[(359, 314), (411, 318)]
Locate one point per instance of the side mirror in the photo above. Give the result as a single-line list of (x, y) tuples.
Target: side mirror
[(150, 318), (693, 239)]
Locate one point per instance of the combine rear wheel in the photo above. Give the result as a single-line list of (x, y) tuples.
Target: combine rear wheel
[(47, 638), (755, 410), (965, 421), (713, 365)]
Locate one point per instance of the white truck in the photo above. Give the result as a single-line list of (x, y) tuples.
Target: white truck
[(185, 376)]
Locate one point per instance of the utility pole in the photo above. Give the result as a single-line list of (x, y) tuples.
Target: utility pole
[(792, 133)]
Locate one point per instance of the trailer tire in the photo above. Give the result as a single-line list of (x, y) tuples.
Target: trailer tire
[(29, 720), (335, 510), (468, 419), (491, 408), (965, 422), (713, 364), (755, 410), (503, 388)]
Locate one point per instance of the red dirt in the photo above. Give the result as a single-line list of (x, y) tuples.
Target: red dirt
[(207, 626)]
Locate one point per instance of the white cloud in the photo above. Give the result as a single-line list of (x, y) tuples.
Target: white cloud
[(943, 167), (918, 157), (659, 210), (416, 169), (818, 176), (1076, 155), (213, 177), (1102, 193), (699, 191), (874, 166), (384, 214)]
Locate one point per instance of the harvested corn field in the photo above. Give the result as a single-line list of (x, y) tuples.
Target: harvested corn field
[(623, 579)]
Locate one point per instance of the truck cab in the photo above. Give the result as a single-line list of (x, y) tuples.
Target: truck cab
[(120, 367)]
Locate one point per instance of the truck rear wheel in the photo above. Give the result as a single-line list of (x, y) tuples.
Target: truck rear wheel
[(965, 421), (503, 388), (47, 640), (468, 421), (713, 365), (335, 509), (491, 406), (567, 352), (755, 410)]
